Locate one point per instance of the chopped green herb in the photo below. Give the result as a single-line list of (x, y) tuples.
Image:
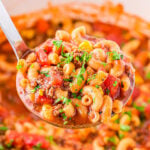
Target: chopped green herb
[(66, 122), (107, 91), (19, 67), (77, 105), (121, 56), (115, 55), (3, 128), (121, 136), (81, 90), (104, 64), (67, 57), (45, 73), (94, 100), (128, 113), (68, 80), (57, 44), (66, 100), (31, 65), (91, 77), (75, 96), (125, 127), (64, 116), (113, 148), (1, 147), (50, 139), (97, 86), (117, 121), (77, 58), (58, 65), (61, 110), (115, 83), (74, 70), (148, 75), (38, 147), (139, 108), (41, 127), (9, 145), (57, 100), (34, 90), (70, 84), (84, 58), (112, 140), (148, 101)]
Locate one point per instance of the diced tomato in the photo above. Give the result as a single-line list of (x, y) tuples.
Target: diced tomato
[(48, 46), (27, 140), (117, 37), (42, 56), (44, 100), (147, 111), (56, 79), (111, 86)]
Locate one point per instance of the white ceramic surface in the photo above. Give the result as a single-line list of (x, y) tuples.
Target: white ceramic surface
[(138, 7)]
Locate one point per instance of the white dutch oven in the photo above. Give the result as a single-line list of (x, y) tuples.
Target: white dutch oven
[(138, 7)]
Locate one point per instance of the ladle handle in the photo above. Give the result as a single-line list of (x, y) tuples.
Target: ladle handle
[(11, 32)]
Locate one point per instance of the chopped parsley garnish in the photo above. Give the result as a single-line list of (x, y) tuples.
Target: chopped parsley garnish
[(121, 136), (19, 67), (97, 86), (115, 83), (77, 105), (104, 64), (75, 96), (148, 75), (41, 127), (9, 144), (125, 127), (50, 139), (91, 77), (1, 147), (112, 140), (81, 90), (61, 110), (94, 100), (57, 100), (113, 148), (65, 100), (45, 73), (57, 44), (32, 65), (34, 90), (68, 80), (115, 55), (84, 58), (66, 122), (117, 121), (128, 113), (3, 128), (38, 147), (139, 108), (64, 116), (107, 91)]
